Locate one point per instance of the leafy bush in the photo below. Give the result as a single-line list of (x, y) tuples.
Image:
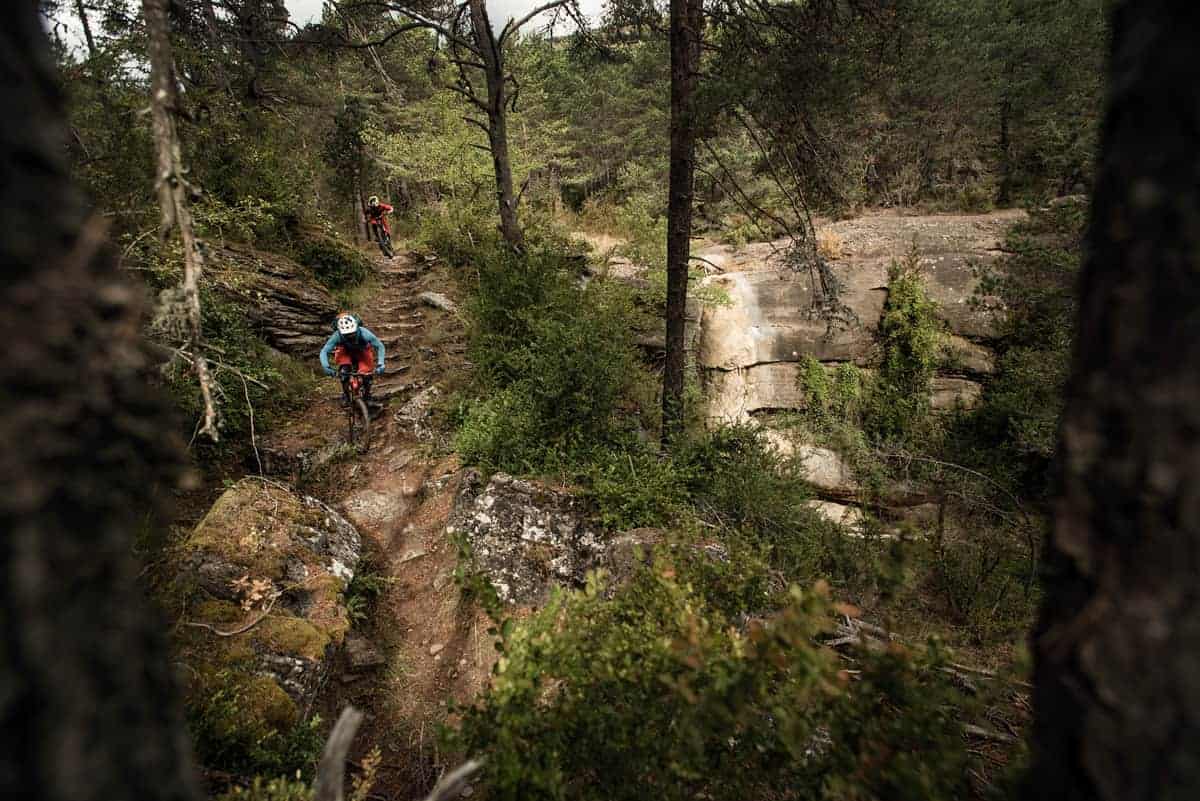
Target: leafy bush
[(907, 335), (279, 789), (336, 264), (653, 693), (250, 377), (552, 361), (364, 590), (1035, 303), (235, 728)]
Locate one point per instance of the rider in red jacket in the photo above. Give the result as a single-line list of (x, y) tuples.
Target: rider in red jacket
[(377, 214)]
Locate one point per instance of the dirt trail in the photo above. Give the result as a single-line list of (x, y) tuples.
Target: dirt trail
[(399, 495)]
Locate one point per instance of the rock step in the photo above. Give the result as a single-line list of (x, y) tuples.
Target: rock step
[(391, 326)]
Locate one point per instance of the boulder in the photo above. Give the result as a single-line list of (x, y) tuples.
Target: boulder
[(438, 301), (281, 298), (370, 508), (961, 356), (417, 412), (827, 471), (849, 517), (952, 393), (525, 537), (263, 575)]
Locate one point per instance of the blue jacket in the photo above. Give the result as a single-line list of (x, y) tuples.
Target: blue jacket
[(361, 338)]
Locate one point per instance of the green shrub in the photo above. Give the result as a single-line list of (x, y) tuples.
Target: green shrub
[(249, 376), (336, 264), (234, 728), (633, 486), (279, 789), (653, 693), (907, 336), (552, 361), (1035, 305)]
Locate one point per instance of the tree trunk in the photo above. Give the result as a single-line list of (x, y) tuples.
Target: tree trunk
[(686, 22), (172, 193), (1004, 144), (87, 28), (1117, 684), (497, 114), (89, 702)]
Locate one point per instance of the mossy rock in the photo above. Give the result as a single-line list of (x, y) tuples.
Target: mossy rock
[(262, 545)]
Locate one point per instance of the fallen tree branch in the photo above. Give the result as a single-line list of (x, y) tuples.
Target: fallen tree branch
[(266, 611)]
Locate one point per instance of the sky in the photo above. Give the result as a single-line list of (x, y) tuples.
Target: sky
[(303, 11)]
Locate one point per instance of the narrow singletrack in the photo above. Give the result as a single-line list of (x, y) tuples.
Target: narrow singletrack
[(399, 496)]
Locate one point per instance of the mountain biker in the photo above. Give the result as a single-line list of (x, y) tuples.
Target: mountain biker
[(377, 214), (354, 349)]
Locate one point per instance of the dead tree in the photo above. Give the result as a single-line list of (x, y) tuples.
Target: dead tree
[(172, 189), (89, 703), (1117, 643), (81, 12), (477, 50), (686, 26)]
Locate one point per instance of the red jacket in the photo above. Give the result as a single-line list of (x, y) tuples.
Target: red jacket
[(377, 216)]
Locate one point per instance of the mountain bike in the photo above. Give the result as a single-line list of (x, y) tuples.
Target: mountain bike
[(384, 239), (358, 416)]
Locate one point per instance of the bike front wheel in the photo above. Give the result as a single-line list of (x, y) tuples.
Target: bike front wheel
[(385, 245), (360, 425)]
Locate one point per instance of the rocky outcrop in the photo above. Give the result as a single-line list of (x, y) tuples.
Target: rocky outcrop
[(525, 537), (282, 299), (263, 575), (749, 344)]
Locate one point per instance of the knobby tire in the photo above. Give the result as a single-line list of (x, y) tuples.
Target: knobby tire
[(363, 414)]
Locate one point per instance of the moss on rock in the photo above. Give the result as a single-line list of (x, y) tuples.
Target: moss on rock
[(262, 575)]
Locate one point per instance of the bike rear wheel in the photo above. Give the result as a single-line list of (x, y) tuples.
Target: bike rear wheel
[(385, 245)]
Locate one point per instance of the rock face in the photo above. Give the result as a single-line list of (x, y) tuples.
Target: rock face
[(525, 537), (262, 546), (749, 346), (282, 298)]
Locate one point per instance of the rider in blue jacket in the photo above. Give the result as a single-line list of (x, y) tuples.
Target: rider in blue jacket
[(354, 349)]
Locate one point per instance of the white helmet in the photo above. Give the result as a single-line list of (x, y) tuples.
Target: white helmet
[(347, 325)]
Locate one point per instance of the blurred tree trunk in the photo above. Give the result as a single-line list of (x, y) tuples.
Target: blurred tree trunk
[(89, 702), (1118, 644), (685, 30)]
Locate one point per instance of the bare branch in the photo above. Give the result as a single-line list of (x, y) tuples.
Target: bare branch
[(511, 27), (331, 772), (451, 785)]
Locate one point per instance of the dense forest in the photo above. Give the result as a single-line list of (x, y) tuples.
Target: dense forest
[(748, 417)]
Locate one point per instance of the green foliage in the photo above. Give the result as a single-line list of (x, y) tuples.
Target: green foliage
[(907, 335), (586, 691), (632, 486), (250, 378), (279, 789), (363, 592), (236, 727), (552, 360), (1035, 302), (336, 264), (344, 147)]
